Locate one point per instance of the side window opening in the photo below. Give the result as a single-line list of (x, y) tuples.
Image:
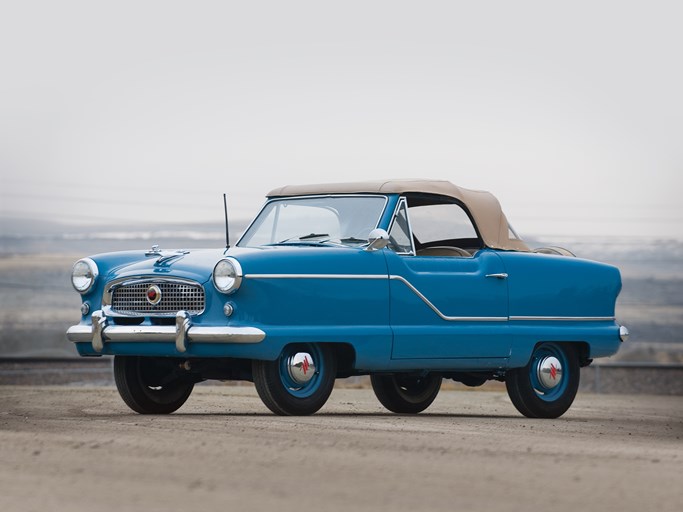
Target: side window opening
[(441, 227)]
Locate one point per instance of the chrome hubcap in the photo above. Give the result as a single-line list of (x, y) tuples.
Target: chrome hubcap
[(301, 367), (549, 372)]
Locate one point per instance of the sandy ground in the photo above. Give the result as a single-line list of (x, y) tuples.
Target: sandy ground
[(81, 449)]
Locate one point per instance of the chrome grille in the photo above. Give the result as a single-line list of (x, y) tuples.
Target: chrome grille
[(175, 296)]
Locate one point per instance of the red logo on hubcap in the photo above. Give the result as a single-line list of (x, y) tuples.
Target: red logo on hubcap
[(305, 365), (553, 372)]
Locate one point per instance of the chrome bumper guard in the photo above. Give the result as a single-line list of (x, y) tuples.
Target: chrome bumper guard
[(181, 333)]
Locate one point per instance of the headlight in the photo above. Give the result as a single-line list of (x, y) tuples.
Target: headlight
[(84, 275), (227, 275)]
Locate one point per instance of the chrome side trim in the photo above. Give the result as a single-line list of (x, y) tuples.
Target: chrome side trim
[(562, 318), (441, 315), (432, 306), (316, 276), (381, 276)]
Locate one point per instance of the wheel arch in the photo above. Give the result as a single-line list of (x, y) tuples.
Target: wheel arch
[(345, 354), (582, 349)]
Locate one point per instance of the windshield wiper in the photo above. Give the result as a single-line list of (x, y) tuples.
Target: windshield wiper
[(305, 237), (313, 235), (353, 240)]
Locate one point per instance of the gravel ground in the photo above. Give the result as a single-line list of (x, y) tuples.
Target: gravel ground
[(80, 449)]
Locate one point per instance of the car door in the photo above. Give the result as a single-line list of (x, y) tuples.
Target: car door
[(446, 301)]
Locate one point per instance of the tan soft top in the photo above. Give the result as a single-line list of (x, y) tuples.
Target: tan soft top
[(484, 207)]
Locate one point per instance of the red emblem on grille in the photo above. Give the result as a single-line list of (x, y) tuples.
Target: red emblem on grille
[(153, 295), (553, 372), (305, 365)]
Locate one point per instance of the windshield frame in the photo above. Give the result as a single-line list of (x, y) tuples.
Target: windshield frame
[(318, 196)]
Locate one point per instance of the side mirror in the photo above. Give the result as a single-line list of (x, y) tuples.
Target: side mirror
[(378, 239)]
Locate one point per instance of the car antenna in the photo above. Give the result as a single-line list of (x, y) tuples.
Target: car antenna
[(227, 231)]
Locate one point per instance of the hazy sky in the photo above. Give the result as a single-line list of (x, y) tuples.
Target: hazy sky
[(571, 113)]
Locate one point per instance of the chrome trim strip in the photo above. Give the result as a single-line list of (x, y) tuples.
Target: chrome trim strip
[(316, 276), (429, 303), (562, 318), (445, 317), (381, 276)]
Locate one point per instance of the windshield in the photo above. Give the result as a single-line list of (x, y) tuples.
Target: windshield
[(314, 220)]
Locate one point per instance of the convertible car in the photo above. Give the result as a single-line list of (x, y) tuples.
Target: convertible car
[(409, 282)]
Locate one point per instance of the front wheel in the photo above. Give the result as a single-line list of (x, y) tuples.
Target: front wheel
[(299, 382), (547, 385), (406, 394), (150, 385)]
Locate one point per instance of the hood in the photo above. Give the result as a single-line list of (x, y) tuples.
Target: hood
[(198, 264), (195, 264)]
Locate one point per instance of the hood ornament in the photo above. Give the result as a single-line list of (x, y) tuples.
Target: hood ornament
[(154, 252), (165, 256)]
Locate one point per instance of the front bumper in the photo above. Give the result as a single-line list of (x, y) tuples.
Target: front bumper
[(182, 333)]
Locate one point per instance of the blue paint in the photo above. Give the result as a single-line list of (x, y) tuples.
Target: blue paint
[(388, 325)]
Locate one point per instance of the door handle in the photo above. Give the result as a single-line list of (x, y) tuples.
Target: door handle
[(498, 276)]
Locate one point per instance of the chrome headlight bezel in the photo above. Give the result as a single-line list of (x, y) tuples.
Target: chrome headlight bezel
[(227, 275), (89, 273)]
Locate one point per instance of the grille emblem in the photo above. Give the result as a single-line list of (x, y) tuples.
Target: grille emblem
[(153, 295)]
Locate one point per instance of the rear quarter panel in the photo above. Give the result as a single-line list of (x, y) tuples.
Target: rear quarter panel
[(557, 298)]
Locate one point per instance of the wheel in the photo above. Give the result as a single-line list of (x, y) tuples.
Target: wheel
[(299, 382), (150, 385), (406, 394), (547, 385)]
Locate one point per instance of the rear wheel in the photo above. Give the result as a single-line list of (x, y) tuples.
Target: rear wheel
[(547, 385), (299, 382), (406, 394), (150, 385)]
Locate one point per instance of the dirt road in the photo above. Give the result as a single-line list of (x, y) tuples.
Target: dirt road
[(80, 449)]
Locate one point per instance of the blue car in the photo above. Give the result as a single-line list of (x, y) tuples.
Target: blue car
[(409, 282)]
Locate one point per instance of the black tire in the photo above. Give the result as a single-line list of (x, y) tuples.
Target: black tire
[(527, 391), (406, 394), (285, 396), (149, 385)]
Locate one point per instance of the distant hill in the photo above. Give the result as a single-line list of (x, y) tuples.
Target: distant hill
[(27, 236)]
